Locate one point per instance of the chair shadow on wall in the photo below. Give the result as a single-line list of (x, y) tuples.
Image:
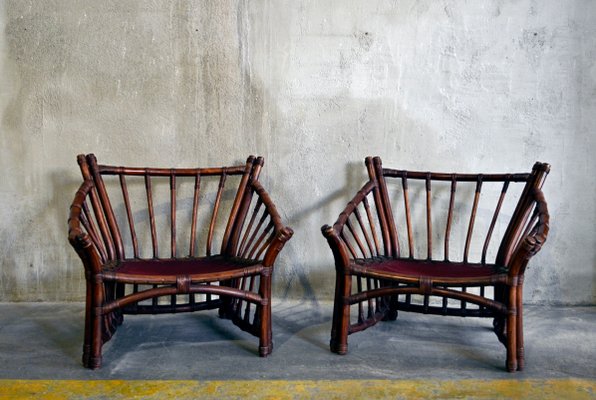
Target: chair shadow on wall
[(306, 316), (64, 334)]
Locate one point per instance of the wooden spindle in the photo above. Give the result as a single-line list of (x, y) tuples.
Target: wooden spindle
[(237, 211), (222, 182), (349, 245), (246, 241), (364, 232), (356, 238), (530, 225), (494, 220), (263, 243), (250, 245), (404, 181), (173, 214), (102, 225), (131, 224), (107, 216), (149, 191), (472, 217), (450, 215), (91, 228), (372, 226), (195, 210), (429, 227), (375, 170)]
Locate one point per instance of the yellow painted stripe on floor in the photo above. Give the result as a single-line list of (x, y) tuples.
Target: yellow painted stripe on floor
[(305, 389)]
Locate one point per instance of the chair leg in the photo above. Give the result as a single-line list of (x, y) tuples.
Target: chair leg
[(500, 321), (88, 325), (97, 326), (341, 314), (224, 307), (265, 335), (511, 331), (520, 330), (391, 314)]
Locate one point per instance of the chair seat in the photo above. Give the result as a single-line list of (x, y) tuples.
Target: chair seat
[(202, 269), (437, 271)]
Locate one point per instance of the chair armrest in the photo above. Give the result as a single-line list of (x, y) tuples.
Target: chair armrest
[(533, 237), (339, 249), (364, 242), (257, 237), (78, 236)]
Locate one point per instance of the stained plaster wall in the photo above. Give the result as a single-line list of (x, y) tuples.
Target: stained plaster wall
[(314, 87)]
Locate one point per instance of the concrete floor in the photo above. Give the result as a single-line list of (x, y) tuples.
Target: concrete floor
[(43, 341)]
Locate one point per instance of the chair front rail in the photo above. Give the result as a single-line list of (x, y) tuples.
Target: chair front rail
[(158, 291)]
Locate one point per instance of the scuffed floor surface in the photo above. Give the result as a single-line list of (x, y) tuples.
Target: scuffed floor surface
[(201, 356)]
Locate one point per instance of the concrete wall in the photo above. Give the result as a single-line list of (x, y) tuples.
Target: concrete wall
[(314, 86)]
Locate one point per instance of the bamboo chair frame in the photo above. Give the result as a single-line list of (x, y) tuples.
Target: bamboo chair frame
[(236, 279), (381, 267)]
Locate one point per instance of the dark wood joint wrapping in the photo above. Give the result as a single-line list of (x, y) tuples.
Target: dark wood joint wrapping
[(183, 283), (426, 285)]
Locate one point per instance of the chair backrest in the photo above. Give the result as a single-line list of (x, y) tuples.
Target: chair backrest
[(488, 213), (166, 212)]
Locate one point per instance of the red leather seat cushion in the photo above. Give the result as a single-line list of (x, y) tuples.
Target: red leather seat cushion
[(437, 269), (185, 266)]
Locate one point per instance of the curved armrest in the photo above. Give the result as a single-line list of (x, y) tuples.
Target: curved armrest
[(272, 245), (364, 240), (78, 236), (533, 237)]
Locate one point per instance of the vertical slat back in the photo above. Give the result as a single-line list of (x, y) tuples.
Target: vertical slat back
[(473, 214), (168, 211)]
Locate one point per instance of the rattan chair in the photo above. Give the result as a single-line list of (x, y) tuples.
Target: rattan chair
[(165, 258), (436, 243)]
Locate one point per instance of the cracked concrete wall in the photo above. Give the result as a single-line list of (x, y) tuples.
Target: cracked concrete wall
[(312, 86)]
